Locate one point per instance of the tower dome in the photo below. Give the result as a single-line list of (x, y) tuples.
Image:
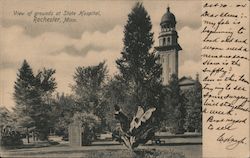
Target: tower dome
[(168, 18)]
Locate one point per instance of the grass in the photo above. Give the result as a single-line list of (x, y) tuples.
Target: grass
[(49, 149), (136, 154), (115, 153), (32, 145)]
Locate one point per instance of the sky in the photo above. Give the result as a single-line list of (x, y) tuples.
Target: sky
[(90, 40)]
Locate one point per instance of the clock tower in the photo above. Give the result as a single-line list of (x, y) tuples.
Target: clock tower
[(168, 46)]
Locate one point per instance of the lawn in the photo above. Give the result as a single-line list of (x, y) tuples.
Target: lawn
[(112, 151), (174, 148)]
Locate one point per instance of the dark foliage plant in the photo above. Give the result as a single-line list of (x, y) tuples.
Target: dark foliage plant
[(137, 131)]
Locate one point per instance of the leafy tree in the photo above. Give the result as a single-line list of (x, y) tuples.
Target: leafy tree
[(45, 86), (5, 117), (9, 135), (167, 110), (194, 107), (90, 124), (138, 67), (88, 88), (177, 104), (63, 112), (28, 123), (116, 92)]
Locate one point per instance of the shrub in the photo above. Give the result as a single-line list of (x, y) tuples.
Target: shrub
[(10, 137), (90, 124)]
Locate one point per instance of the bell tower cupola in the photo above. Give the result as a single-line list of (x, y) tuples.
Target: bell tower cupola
[(168, 46)]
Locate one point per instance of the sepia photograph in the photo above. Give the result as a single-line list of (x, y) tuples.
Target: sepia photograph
[(101, 79)]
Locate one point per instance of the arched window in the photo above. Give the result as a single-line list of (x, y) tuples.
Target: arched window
[(164, 41)]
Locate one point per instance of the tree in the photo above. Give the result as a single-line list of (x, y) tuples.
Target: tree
[(23, 86), (138, 67), (28, 123), (167, 110), (45, 86), (116, 92), (9, 135), (177, 105), (63, 112), (194, 108), (24, 96), (88, 88), (6, 118), (33, 98), (90, 124)]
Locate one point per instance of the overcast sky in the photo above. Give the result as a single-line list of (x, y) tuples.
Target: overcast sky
[(88, 41)]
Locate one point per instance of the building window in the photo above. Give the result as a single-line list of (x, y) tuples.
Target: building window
[(164, 41), (168, 39)]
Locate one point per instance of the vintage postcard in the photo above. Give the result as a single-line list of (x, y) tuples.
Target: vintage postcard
[(129, 79)]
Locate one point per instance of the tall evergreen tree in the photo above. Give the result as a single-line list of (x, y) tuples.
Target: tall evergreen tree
[(24, 96), (25, 80), (138, 67)]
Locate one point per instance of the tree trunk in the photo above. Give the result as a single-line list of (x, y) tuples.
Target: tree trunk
[(27, 135), (33, 136)]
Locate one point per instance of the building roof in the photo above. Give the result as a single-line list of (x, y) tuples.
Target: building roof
[(164, 48), (186, 81), (168, 17)]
